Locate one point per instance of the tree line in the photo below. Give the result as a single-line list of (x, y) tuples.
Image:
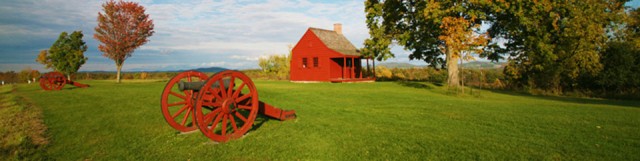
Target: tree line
[(553, 46)]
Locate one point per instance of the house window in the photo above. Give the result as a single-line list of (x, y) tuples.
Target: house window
[(304, 62), (315, 62)]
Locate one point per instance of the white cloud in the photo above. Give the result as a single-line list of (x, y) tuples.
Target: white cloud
[(201, 31)]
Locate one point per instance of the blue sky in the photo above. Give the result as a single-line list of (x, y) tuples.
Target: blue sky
[(188, 34)]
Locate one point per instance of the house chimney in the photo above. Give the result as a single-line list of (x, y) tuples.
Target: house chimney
[(337, 27)]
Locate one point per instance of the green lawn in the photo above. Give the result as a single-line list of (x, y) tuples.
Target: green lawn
[(361, 121), (22, 132)]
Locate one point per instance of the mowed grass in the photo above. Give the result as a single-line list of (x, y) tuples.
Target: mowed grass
[(22, 132), (352, 121)]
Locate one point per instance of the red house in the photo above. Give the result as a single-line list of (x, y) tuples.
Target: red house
[(326, 56)]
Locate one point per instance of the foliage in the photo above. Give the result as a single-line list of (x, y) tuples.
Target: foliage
[(383, 73), (481, 78), (458, 37), (377, 46), (633, 27), (42, 59), (430, 29), (121, 29), (143, 75), (621, 69), (27, 74), (620, 75), (66, 55), (9, 77), (277, 65), (551, 44)]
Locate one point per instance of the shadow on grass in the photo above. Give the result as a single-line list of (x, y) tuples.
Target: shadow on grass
[(595, 101), (259, 121), (418, 85)]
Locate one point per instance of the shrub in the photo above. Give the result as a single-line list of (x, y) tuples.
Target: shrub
[(275, 66)]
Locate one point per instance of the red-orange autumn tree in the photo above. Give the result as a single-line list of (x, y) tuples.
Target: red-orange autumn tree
[(121, 29)]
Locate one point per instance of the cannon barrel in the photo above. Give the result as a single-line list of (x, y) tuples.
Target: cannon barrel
[(196, 86)]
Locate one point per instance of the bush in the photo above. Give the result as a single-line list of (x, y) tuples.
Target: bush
[(275, 66), (485, 78), (383, 73)]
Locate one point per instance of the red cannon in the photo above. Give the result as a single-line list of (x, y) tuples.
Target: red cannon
[(223, 106), (56, 80)]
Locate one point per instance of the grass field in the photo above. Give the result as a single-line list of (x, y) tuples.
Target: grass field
[(363, 121), (22, 132)]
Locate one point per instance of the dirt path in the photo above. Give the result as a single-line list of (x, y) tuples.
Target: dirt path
[(22, 131)]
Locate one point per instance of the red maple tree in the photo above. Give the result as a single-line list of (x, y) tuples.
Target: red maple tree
[(121, 29)]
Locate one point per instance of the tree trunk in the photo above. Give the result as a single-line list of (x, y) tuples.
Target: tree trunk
[(118, 74), (452, 70), (68, 76), (374, 68), (462, 75)]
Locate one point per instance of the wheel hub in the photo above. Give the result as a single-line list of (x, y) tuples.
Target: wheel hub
[(229, 106)]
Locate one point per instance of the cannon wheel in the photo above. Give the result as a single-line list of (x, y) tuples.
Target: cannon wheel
[(176, 105), (226, 112), (52, 81)]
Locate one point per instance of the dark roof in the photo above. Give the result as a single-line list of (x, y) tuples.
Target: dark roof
[(336, 42)]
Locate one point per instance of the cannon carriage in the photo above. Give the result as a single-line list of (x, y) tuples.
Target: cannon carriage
[(223, 106), (56, 80)]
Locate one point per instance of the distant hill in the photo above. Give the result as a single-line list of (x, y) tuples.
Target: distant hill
[(483, 65), (210, 69)]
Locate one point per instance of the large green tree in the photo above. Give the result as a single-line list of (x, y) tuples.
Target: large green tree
[(122, 28), (550, 44), (621, 60), (429, 29), (66, 55)]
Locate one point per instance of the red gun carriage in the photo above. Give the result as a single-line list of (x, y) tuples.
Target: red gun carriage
[(56, 80), (223, 106)]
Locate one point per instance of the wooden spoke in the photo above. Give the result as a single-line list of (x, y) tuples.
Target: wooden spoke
[(243, 97), (215, 122), (244, 107), (229, 91), (224, 125), (177, 103), (216, 94), (212, 104), (211, 115), (238, 91), (240, 116), (184, 120), (208, 97), (180, 111), (233, 123), (178, 95), (223, 91), (188, 92)]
